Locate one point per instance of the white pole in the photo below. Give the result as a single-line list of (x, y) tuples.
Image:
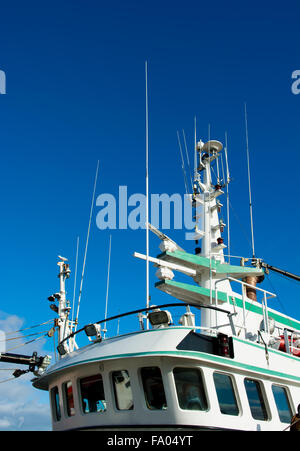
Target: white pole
[(249, 181), (72, 341), (195, 152), (227, 196), (187, 158), (147, 192), (75, 276), (107, 285), (86, 246)]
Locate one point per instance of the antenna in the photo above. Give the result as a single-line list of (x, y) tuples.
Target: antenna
[(227, 196), (107, 284), (187, 158), (147, 189), (182, 164), (86, 246), (195, 152), (75, 277), (249, 180)]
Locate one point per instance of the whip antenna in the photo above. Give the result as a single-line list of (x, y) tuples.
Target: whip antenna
[(249, 181), (86, 246), (188, 160), (182, 165), (74, 289), (195, 151), (147, 191), (227, 194), (107, 284)]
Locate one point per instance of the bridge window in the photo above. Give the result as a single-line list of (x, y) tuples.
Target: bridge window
[(225, 393), (69, 398), (55, 404), (256, 400), (92, 394), (282, 403), (190, 389), (153, 388), (122, 389)]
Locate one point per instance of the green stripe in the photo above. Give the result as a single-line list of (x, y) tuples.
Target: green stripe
[(211, 357), (222, 296), (193, 289), (220, 268)]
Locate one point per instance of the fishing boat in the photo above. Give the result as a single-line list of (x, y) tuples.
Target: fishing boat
[(229, 362), (217, 357)]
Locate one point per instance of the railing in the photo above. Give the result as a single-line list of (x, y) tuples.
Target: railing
[(289, 340), (263, 301), (144, 310)]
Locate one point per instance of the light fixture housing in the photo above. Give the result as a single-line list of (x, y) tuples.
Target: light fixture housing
[(54, 308), (160, 318), (93, 330), (62, 349)]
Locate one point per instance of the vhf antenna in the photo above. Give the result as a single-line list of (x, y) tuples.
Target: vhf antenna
[(147, 190), (249, 181)]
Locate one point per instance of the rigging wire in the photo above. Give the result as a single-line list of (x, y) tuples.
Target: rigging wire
[(30, 327), (27, 342), (23, 336), (9, 379)]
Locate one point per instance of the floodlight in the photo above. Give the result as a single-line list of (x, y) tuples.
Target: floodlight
[(160, 318), (45, 362), (54, 308), (93, 330), (62, 349)]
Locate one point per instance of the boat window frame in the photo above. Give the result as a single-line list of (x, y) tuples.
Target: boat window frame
[(264, 399), (56, 408), (115, 397), (146, 403), (234, 391), (288, 398), (204, 388), (67, 408), (80, 397)]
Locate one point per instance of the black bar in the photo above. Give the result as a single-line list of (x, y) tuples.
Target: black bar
[(281, 271), (184, 304), (19, 359)]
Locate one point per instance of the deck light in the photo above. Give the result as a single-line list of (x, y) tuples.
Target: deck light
[(160, 318), (93, 330), (54, 296), (62, 349), (54, 308)]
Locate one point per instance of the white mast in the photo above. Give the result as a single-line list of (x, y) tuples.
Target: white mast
[(63, 304)]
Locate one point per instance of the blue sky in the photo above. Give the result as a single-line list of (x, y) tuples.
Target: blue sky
[(76, 95)]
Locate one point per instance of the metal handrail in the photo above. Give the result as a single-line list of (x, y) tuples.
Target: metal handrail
[(183, 304)]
